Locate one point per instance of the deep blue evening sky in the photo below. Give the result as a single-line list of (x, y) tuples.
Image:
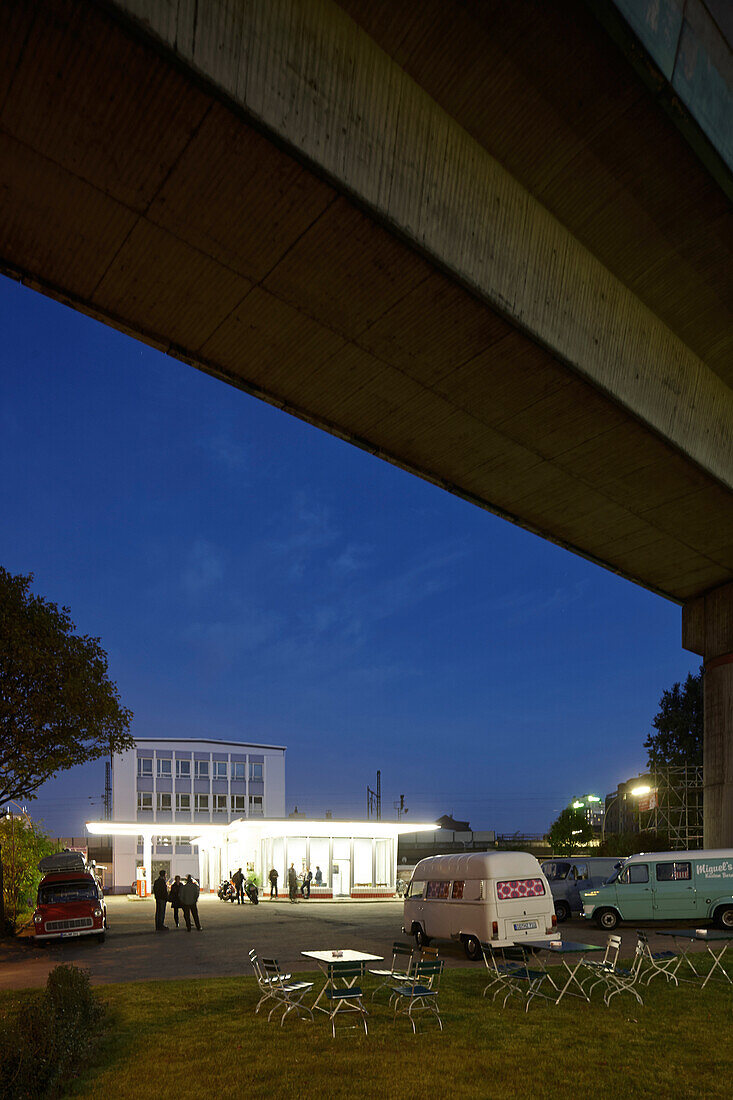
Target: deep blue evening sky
[(251, 577)]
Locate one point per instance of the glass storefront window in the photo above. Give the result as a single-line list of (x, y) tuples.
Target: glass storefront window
[(362, 862), (319, 859)]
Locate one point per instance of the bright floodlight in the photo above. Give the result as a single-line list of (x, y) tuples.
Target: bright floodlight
[(593, 798), (577, 805), (636, 791)]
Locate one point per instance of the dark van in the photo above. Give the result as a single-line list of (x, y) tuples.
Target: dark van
[(568, 876)]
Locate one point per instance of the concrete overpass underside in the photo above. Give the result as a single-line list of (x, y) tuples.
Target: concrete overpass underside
[(464, 236)]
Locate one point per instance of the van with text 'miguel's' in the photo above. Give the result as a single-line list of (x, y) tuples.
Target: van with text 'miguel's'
[(666, 886), (480, 897)]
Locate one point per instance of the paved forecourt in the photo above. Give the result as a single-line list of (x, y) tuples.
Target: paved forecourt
[(134, 952)]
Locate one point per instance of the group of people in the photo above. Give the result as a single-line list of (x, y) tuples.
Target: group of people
[(305, 884), (181, 896)]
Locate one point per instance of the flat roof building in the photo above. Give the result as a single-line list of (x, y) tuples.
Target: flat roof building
[(205, 808)]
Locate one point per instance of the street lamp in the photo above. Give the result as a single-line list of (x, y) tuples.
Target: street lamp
[(636, 792)]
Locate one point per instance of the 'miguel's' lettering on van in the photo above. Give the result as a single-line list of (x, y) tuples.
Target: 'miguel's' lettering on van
[(715, 870)]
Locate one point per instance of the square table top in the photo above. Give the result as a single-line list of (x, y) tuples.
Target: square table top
[(347, 955), (701, 934), (559, 947)]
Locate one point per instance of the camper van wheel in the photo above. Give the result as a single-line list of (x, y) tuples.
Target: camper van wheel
[(420, 938), (607, 919), (472, 947), (562, 911), (724, 917)]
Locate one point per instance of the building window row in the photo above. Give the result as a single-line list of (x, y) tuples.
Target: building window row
[(221, 769), (164, 803)]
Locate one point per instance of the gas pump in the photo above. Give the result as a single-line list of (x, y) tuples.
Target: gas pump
[(142, 885)]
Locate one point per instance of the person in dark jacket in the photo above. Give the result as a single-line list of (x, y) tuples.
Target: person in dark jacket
[(160, 891), (238, 881), (293, 882), (273, 883), (174, 897), (189, 900)]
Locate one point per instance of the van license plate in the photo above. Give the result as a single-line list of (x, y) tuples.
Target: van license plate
[(65, 935), (524, 925)]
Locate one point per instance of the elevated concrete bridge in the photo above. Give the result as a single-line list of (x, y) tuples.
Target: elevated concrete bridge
[(488, 242)]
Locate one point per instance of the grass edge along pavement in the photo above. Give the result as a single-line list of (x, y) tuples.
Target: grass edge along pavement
[(202, 1035)]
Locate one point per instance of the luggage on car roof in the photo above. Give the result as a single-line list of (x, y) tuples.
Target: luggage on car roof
[(62, 861)]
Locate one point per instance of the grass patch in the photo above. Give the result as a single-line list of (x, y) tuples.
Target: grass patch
[(203, 1035)]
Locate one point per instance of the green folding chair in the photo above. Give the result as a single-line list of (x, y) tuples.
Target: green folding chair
[(344, 994), (420, 993), (400, 969)]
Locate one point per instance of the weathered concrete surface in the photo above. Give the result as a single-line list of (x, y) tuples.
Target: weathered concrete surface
[(707, 629), (500, 268), (133, 952)]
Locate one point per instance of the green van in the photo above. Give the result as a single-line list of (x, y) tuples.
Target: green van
[(666, 886)]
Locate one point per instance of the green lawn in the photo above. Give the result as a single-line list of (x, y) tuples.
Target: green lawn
[(202, 1038)]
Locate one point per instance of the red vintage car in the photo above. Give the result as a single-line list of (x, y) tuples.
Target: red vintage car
[(70, 903)]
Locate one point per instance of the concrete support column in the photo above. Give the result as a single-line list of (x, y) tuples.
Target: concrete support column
[(707, 629), (147, 860)]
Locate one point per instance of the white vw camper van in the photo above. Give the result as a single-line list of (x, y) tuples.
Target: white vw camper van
[(490, 897)]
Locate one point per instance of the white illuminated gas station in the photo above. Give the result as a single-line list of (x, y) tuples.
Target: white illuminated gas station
[(355, 858)]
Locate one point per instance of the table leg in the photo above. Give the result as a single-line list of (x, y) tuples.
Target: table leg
[(317, 1006), (717, 963), (572, 979)]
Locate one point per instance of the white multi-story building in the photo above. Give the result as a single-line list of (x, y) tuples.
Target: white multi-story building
[(178, 788)]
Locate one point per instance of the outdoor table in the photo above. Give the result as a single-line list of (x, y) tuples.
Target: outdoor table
[(706, 936), (327, 958), (562, 948)]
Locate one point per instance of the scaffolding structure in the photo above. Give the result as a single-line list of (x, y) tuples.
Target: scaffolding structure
[(674, 806)]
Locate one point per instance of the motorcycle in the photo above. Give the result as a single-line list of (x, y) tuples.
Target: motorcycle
[(252, 893), (226, 891)]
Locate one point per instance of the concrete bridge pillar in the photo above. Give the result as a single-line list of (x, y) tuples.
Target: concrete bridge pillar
[(707, 629)]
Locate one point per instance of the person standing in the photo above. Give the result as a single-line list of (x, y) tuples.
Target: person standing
[(273, 883), (160, 892), (175, 898), (189, 899), (319, 877), (292, 883), (306, 887), (238, 881)]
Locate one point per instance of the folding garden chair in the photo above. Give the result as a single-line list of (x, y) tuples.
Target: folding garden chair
[(623, 979), (420, 994), (344, 993), (511, 975), (401, 957), (265, 986), (600, 969), (287, 995), (665, 963)]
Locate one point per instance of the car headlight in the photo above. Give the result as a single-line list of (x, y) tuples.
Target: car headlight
[(97, 912), (38, 919)]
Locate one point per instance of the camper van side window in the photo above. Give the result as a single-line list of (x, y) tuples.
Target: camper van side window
[(581, 870), (520, 888), (437, 890), (635, 872), (674, 872), (415, 889), (457, 890)]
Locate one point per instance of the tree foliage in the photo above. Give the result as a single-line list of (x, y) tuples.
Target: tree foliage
[(570, 831), (23, 845), (58, 707), (679, 726)]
